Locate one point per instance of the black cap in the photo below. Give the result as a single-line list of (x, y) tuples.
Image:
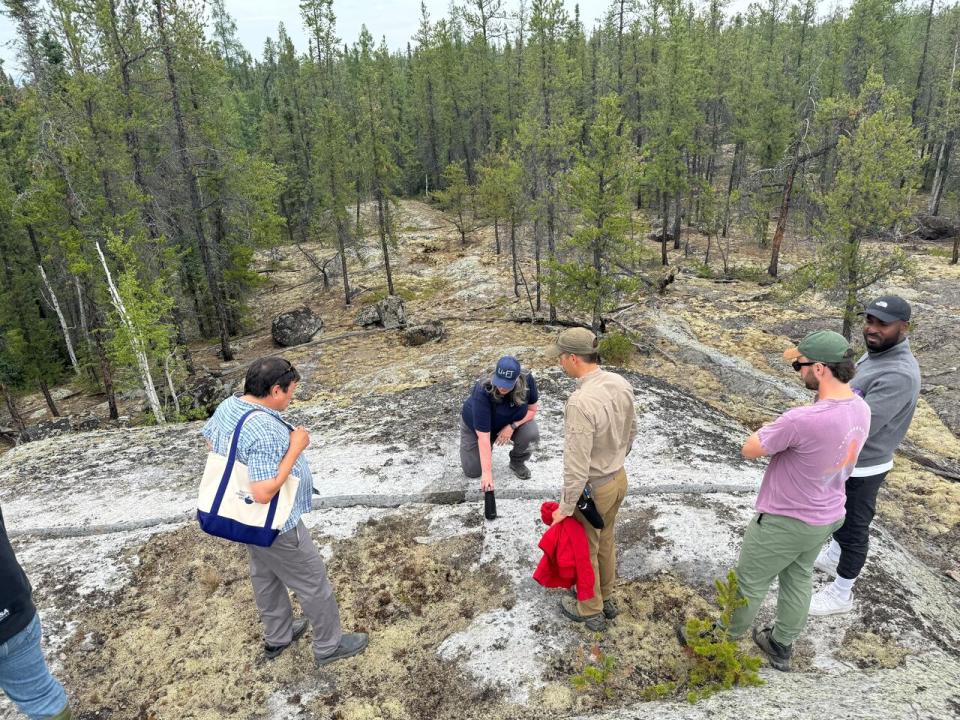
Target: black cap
[(888, 308)]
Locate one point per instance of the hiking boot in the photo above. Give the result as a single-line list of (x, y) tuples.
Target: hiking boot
[(568, 606), (520, 469), (825, 563), (830, 602), (350, 644), (610, 609), (777, 654), (299, 628), (684, 638)]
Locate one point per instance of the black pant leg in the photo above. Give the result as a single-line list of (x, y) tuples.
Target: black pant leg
[(854, 536)]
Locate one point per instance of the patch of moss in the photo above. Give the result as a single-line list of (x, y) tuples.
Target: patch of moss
[(869, 650), (404, 293), (557, 697), (928, 431), (924, 507), (641, 641), (184, 640)]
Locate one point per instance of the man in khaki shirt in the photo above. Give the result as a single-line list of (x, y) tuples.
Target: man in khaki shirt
[(600, 423)]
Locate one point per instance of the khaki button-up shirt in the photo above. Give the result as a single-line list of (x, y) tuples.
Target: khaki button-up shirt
[(600, 423)]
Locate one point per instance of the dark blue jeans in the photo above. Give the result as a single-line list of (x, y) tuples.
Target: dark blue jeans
[(24, 676)]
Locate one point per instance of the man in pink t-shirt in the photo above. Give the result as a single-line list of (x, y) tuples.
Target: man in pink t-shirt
[(801, 500)]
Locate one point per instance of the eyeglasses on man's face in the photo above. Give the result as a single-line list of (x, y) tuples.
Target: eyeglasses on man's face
[(797, 364)]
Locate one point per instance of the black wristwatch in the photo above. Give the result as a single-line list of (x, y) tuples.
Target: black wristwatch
[(513, 426)]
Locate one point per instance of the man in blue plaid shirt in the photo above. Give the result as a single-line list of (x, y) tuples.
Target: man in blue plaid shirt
[(272, 451)]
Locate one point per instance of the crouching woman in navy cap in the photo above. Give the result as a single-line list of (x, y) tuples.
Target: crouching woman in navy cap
[(500, 410)]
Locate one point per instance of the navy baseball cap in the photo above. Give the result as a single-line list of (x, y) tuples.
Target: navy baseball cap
[(888, 308), (507, 372)]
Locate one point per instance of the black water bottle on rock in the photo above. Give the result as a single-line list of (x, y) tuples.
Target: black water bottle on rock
[(489, 505)]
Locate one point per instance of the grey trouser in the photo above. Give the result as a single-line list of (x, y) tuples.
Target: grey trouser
[(293, 562), (523, 437)]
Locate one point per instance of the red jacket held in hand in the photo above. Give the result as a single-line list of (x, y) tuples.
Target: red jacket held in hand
[(566, 555)]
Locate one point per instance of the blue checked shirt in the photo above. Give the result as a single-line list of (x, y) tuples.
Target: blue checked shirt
[(263, 442)]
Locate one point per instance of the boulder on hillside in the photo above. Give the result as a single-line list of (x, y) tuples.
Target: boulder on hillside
[(421, 334), (205, 392), (392, 314), (62, 393), (370, 315), (666, 278), (388, 313), (935, 227), (658, 236), (87, 423), (295, 327), (48, 429)]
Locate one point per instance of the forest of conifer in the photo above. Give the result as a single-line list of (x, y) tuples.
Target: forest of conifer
[(146, 156)]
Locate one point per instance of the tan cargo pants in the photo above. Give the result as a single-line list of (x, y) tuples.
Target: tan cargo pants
[(603, 547)]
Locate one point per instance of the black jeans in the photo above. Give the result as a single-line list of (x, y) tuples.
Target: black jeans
[(854, 536)]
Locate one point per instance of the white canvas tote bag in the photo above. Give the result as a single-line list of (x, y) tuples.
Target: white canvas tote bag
[(226, 508)]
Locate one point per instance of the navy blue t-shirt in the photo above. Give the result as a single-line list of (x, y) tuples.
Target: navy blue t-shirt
[(16, 604), (481, 413)]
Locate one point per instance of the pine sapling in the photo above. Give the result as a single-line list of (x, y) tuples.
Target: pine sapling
[(719, 664), (599, 673)]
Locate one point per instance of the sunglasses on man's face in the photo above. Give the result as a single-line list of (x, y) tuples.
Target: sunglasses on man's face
[(797, 364), (287, 374)]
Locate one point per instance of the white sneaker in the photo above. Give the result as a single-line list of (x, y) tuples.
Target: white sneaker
[(826, 563), (829, 602)]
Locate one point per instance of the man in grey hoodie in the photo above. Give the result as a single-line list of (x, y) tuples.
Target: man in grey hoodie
[(888, 378)]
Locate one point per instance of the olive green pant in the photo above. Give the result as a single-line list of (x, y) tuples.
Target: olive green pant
[(776, 546), (603, 547)]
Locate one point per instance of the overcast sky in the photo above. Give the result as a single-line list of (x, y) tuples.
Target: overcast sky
[(397, 20)]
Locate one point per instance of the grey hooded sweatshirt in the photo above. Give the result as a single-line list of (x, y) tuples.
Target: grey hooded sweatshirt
[(889, 381)]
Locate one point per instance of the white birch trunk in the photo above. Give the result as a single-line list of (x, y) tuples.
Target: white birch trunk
[(83, 312), (173, 390), (939, 175), (136, 344), (63, 323), (937, 178), (83, 316)]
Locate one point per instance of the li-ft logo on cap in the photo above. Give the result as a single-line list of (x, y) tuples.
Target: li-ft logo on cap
[(881, 303), (506, 373)]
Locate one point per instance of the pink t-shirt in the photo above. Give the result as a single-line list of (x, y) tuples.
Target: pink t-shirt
[(814, 450)]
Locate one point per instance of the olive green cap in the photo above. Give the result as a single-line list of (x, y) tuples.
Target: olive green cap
[(824, 346)]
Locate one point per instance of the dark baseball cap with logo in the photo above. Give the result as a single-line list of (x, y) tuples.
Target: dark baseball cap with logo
[(888, 308), (506, 373)]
